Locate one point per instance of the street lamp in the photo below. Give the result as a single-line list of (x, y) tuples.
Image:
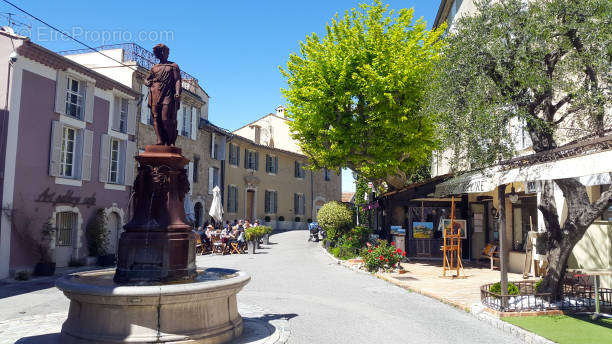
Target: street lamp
[(513, 196)]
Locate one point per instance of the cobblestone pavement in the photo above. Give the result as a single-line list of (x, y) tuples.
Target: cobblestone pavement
[(300, 292)]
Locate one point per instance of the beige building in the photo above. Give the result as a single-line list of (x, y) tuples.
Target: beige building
[(588, 160), (266, 179), (202, 143)]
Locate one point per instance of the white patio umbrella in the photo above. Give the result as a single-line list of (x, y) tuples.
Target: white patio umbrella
[(216, 207)]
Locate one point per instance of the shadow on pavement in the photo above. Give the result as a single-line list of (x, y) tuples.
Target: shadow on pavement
[(257, 329), (51, 338)]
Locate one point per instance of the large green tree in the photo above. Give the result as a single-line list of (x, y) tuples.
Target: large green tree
[(355, 94), (545, 64)]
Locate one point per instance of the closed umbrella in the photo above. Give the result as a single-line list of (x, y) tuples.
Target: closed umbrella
[(216, 207)]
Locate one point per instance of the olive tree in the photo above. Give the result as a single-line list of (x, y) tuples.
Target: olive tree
[(545, 64)]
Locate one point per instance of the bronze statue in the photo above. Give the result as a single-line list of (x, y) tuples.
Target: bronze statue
[(164, 82)]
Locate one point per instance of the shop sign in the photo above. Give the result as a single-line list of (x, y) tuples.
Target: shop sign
[(48, 196)]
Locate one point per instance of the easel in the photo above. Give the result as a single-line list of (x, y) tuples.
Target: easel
[(451, 249), (529, 251)]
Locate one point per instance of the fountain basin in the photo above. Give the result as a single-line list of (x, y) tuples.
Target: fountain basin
[(200, 311)]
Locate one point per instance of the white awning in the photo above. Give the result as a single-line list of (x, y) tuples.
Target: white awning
[(592, 169)]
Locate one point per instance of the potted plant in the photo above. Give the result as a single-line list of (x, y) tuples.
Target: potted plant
[(266, 231), (97, 239), (45, 265), (252, 236)]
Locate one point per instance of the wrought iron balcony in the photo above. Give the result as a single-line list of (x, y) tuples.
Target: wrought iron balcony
[(132, 52)]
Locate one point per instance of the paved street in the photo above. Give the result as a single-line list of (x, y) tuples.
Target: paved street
[(325, 303)]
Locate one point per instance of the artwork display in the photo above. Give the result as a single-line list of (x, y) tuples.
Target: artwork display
[(422, 230), (458, 224)]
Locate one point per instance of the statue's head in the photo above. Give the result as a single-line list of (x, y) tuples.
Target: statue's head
[(161, 51)]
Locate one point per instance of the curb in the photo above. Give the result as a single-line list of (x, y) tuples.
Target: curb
[(478, 311)]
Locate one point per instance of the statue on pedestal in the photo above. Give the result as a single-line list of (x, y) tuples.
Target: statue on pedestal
[(164, 82)]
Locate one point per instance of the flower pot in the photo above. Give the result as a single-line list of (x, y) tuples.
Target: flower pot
[(251, 246), (266, 239), (106, 260), (44, 269)]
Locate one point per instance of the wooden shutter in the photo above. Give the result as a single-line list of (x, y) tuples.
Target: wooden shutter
[(268, 163), (303, 205), (267, 202), (256, 161), (295, 165), (221, 142), (61, 82), (232, 154), (275, 164), (90, 89), (116, 113), (237, 156), (131, 118), (87, 157), (104, 157), (56, 148), (130, 163), (195, 123), (211, 175), (275, 194), (212, 145), (296, 203), (246, 158), (190, 176), (145, 113), (180, 120)]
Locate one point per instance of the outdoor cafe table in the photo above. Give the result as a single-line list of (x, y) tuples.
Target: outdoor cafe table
[(595, 273)]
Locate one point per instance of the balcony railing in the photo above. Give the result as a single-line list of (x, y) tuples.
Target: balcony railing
[(132, 52)]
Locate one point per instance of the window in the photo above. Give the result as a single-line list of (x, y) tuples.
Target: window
[(271, 164), (114, 172), (196, 168), (524, 215), (299, 204), (271, 201), (186, 125), (299, 170), (213, 178), (65, 223), (67, 159), (234, 155), (232, 199), (123, 115), (75, 91), (327, 175), (251, 161)]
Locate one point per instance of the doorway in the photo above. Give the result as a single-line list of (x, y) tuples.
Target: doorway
[(113, 227), (66, 231), (198, 211), (250, 208)]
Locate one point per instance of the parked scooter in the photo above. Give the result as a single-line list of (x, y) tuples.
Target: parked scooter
[(314, 230)]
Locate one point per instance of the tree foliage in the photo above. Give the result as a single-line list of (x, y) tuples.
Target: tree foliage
[(355, 94), (336, 219), (539, 67)]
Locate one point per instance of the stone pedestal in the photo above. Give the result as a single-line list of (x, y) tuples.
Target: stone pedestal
[(157, 245)]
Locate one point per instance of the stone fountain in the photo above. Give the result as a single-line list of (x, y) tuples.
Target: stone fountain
[(156, 294)]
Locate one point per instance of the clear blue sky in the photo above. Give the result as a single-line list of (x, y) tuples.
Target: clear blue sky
[(233, 47)]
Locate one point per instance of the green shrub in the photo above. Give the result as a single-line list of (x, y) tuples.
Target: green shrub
[(336, 219), (256, 233), (97, 236), (537, 286), (382, 256), (356, 237), (512, 288), (265, 230), (343, 252)]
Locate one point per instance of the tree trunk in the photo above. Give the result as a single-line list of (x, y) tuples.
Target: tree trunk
[(561, 239), (503, 243)]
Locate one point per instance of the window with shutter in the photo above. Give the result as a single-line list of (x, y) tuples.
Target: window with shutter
[(87, 155), (267, 202), (130, 163), (256, 161), (104, 158), (123, 115), (114, 169), (275, 164), (275, 209), (75, 97), (296, 203), (196, 168), (67, 153)]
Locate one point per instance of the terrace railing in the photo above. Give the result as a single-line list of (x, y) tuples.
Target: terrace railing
[(132, 52), (575, 297)]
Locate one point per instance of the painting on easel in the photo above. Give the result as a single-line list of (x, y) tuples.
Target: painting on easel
[(458, 224)]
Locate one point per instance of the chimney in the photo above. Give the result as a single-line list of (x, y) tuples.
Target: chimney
[(280, 111)]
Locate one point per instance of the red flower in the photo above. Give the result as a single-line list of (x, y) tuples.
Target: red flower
[(381, 258), (386, 260), (398, 250), (392, 243), (369, 251), (404, 254)]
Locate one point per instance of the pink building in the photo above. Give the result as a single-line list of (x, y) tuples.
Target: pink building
[(67, 142)]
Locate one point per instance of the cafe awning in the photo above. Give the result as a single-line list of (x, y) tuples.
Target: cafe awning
[(591, 169)]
